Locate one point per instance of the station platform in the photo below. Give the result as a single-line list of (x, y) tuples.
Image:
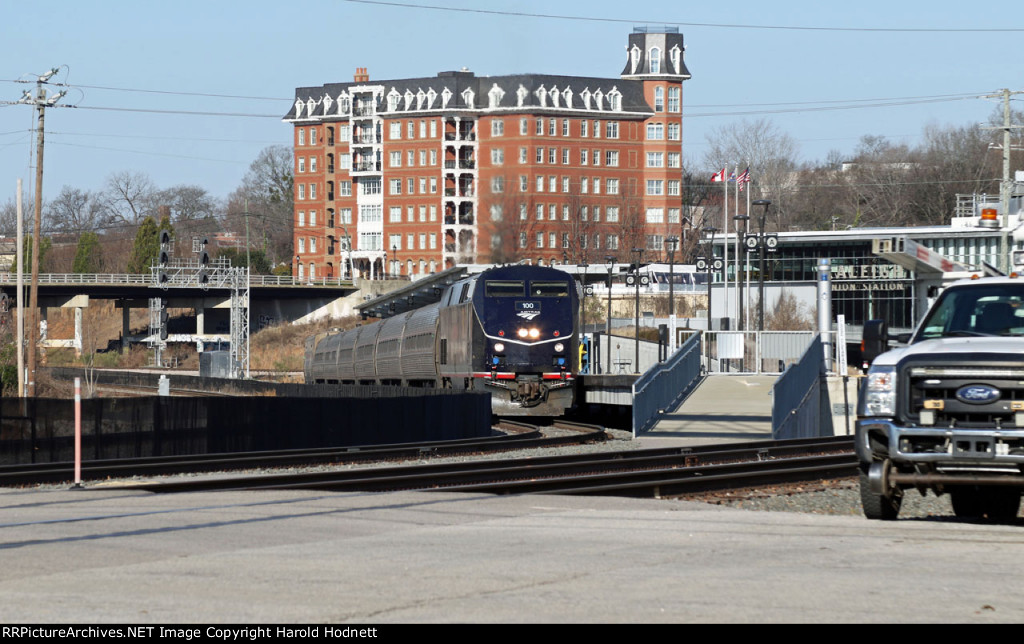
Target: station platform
[(721, 409)]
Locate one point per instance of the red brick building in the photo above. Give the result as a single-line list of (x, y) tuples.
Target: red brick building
[(416, 175)]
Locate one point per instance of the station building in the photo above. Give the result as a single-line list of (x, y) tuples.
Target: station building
[(411, 176)]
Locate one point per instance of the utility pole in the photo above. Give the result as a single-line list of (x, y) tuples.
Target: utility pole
[(1004, 184), (41, 102)]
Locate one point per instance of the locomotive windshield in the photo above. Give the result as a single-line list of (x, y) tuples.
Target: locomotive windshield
[(505, 288), (549, 289)]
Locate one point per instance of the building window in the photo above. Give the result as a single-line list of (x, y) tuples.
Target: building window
[(584, 185), (655, 131), (522, 240), (411, 183), (312, 164), (345, 188), (345, 216), (673, 132), (423, 129), (552, 126), (611, 158), (498, 185), (410, 241), (395, 241), (522, 155), (584, 128), (395, 130), (395, 186), (565, 240), (674, 159), (312, 191), (395, 159), (524, 183), (498, 127), (597, 185), (655, 187), (673, 187), (565, 127), (552, 154), (497, 156), (655, 242), (552, 240), (540, 127), (612, 187), (597, 214), (540, 212), (433, 212), (540, 183), (552, 212), (524, 126), (540, 240), (433, 128), (433, 185), (611, 130), (565, 156), (344, 133), (655, 159), (302, 136), (655, 60), (302, 245), (433, 241), (613, 242), (673, 215), (522, 212), (302, 218), (302, 164), (597, 129), (423, 158), (659, 99), (565, 184), (312, 136), (673, 99), (540, 155), (345, 161), (410, 158), (370, 186), (312, 218), (410, 129), (433, 156), (552, 184), (423, 185), (302, 191), (583, 156), (565, 213), (597, 157), (655, 216), (423, 214), (395, 214)]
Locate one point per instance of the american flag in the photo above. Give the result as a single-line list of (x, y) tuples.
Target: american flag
[(744, 177)]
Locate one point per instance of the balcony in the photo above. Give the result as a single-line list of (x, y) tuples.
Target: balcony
[(366, 166), (365, 139)]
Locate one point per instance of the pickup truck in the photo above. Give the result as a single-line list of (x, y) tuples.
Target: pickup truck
[(946, 412)]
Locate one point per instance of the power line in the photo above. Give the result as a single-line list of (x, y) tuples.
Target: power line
[(676, 23)]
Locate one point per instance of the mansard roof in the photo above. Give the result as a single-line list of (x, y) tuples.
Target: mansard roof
[(462, 90)]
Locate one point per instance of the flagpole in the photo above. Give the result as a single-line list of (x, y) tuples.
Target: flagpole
[(725, 241), (746, 324), (736, 226)]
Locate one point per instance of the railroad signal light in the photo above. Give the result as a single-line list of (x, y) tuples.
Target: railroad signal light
[(165, 237)]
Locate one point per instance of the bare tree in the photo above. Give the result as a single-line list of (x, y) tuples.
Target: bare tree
[(75, 211), (508, 223), (770, 154), (265, 199), (129, 197)]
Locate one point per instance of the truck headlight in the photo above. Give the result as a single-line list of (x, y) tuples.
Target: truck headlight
[(880, 392)]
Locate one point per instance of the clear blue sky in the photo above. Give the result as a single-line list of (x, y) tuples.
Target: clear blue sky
[(109, 52)]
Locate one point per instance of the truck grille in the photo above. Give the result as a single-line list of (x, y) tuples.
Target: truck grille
[(963, 396)]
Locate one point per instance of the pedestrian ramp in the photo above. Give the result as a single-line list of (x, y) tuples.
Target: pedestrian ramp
[(720, 409)]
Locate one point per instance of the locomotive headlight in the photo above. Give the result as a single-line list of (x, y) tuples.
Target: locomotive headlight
[(534, 334), (880, 392), (523, 333), (499, 347), (559, 347)]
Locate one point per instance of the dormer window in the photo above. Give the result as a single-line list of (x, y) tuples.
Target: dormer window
[(431, 97), (421, 96), (553, 95), (598, 98), (676, 57), (494, 96), (634, 58), (298, 107), (467, 97), (542, 96), (615, 100), (446, 96), (567, 97), (344, 104), (393, 98), (521, 95), (655, 60), (585, 94), (328, 101), (408, 99)]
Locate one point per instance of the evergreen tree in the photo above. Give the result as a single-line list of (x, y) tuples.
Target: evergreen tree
[(88, 255), (147, 247), (45, 244)]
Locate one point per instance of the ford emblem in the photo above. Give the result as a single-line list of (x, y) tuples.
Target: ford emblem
[(977, 394)]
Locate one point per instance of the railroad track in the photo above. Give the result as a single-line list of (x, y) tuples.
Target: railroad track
[(644, 473), (521, 436)]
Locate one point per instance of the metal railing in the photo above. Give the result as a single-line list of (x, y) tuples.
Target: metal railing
[(800, 404), (753, 352), (665, 384), (134, 279)]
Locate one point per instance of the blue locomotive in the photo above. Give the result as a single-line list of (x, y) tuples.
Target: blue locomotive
[(510, 330)]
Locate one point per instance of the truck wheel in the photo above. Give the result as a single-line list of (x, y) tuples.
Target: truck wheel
[(884, 507), (1000, 505)]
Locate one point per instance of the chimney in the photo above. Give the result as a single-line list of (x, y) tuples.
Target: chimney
[(361, 75)]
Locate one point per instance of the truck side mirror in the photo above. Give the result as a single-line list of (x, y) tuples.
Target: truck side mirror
[(874, 341)]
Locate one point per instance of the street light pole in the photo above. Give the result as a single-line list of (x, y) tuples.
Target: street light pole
[(636, 310), (760, 261), (608, 321), (710, 231), (583, 305), (671, 243)]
